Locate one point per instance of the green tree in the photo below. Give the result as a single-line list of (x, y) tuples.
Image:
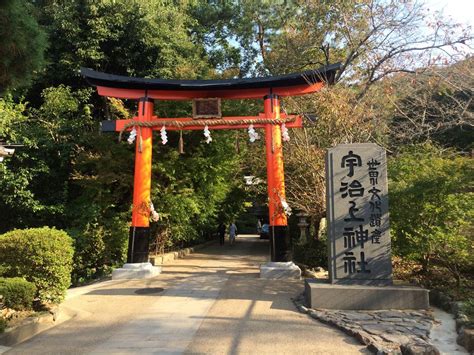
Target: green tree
[(432, 208), (22, 46), (17, 199), (191, 190), (37, 178), (372, 39), (239, 35), (145, 39)]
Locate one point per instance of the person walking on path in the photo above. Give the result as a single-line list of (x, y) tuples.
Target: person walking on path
[(232, 232), (259, 226), (221, 233)]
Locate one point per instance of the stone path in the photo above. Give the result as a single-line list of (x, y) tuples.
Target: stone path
[(212, 302), (168, 325), (443, 335)]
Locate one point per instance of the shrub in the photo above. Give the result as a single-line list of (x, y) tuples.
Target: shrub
[(468, 310), (432, 209), (97, 248), (3, 324), (17, 293), (89, 253), (313, 253), (42, 256)]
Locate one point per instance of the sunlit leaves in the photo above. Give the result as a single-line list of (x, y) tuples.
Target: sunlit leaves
[(431, 208)]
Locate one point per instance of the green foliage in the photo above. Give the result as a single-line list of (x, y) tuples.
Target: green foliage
[(97, 247), (16, 197), (312, 254), (468, 309), (36, 180), (232, 32), (42, 256), (196, 189), (146, 38), (11, 115), (432, 208), (22, 46), (17, 293), (3, 324)]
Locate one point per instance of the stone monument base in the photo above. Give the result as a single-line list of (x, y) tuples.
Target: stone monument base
[(322, 294), (136, 271), (280, 270)]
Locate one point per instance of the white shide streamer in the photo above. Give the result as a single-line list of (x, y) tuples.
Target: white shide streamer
[(253, 135), (132, 136), (284, 133), (286, 207), (154, 215), (164, 136), (207, 134)]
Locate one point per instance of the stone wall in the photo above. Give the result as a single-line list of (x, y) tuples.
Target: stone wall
[(466, 335)]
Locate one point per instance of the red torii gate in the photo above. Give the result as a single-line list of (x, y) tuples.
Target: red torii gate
[(145, 91)]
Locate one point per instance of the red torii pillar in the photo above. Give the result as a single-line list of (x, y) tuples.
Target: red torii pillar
[(279, 239), (138, 241)]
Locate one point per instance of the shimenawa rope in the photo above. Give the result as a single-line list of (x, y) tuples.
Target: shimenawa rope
[(216, 122)]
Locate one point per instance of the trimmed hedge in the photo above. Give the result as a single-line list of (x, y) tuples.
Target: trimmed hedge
[(17, 293), (42, 256)]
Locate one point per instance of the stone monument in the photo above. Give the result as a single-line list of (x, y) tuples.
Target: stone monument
[(357, 214), (359, 249)]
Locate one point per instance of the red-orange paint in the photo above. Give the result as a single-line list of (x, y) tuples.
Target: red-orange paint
[(275, 169), (142, 178), (225, 94)]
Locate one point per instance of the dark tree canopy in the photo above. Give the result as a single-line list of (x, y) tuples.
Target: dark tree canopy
[(22, 44)]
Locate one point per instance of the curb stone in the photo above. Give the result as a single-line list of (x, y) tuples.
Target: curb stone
[(33, 326), (383, 332), (465, 335), (166, 258)]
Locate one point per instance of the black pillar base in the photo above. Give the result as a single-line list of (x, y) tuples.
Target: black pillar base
[(138, 241), (280, 246)]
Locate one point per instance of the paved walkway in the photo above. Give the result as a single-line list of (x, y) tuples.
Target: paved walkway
[(212, 303)]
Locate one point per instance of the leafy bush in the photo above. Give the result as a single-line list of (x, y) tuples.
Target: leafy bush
[(17, 293), (3, 324), (432, 209), (42, 256), (89, 253), (468, 310), (97, 248), (313, 253)]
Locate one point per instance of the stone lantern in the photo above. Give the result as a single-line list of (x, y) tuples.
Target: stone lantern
[(303, 226)]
